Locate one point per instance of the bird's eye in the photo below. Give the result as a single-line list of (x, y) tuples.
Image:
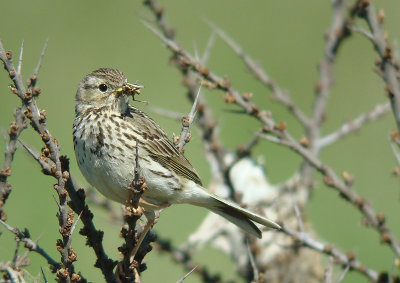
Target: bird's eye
[(103, 87)]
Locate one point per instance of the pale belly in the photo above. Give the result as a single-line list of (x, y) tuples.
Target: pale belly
[(109, 168)]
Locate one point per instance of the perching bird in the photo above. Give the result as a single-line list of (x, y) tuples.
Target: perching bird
[(107, 131)]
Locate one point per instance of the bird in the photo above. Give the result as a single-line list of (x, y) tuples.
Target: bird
[(107, 133)]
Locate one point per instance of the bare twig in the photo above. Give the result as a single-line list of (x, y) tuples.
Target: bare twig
[(15, 258), (298, 214), (354, 125), (207, 51), (186, 123), (39, 64), (345, 271), (44, 276), (160, 19), (388, 66), (14, 132), (45, 164), (31, 245), (336, 34), (362, 31)]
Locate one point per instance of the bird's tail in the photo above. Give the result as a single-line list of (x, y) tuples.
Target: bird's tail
[(237, 215)]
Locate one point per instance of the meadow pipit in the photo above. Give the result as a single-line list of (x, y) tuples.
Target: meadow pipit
[(107, 131)]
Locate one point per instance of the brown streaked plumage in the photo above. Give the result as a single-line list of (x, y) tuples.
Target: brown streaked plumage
[(107, 131)]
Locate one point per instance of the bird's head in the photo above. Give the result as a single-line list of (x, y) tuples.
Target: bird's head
[(105, 87)]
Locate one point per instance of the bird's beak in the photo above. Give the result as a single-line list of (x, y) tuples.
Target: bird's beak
[(129, 89)]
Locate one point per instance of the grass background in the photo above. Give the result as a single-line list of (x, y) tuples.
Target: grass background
[(286, 37)]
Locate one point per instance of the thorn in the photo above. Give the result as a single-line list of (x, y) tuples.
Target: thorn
[(207, 51), (44, 276), (39, 64), (19, 66), (187, 274), (58, 204), (196, 51), (193, 111), (73, 229)]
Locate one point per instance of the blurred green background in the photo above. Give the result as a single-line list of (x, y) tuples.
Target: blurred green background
[(287, 39)]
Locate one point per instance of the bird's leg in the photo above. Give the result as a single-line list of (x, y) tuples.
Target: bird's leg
[(149, 206), (152, 217)]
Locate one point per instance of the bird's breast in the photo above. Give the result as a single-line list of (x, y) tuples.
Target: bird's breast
[(105, 148), (104, 157)]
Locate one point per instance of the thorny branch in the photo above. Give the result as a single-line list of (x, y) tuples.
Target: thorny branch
[(15, 130), (214, 149), (31, 245), (78, 204), (280, 135), (137, 239), (38, 118), (207, 125), (18, 126), (160, 18), (335, 36), (277, 132), (387, 66), (187, 121), (57, 166)]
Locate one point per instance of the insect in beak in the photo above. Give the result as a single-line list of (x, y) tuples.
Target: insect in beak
[(130, 89)]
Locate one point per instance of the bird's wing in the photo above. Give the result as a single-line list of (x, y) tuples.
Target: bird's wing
[(160, 148)]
